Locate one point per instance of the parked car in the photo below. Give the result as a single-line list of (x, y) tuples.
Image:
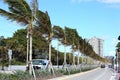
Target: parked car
[(102, 65), (110, 66), (39, 63)]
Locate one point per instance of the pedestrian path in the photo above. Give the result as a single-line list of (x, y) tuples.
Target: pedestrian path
[(117, 77), (113, 76)]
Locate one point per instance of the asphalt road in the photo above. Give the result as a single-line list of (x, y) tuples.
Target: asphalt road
[(97, 74)]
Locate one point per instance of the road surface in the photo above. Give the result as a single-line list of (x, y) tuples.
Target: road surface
[(96, 74)]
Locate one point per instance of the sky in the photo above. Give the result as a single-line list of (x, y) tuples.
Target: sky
[(100, 18)]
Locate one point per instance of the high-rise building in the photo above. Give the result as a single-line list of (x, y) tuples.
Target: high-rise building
[(97, 45)]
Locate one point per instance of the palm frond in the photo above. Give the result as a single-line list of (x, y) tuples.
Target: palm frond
[(43, 21), (13, 17), (58, 32), (19, 7)]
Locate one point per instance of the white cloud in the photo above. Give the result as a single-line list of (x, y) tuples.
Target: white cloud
[(79, 1), (109, 1), (103, 1)]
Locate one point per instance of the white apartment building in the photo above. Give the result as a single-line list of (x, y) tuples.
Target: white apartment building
[(97, 45)]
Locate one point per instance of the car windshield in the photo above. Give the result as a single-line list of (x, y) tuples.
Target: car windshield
[(37, 62)]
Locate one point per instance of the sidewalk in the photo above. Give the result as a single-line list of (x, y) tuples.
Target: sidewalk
[(117, 77)]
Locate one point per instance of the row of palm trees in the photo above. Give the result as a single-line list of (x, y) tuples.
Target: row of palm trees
[(21, 12)]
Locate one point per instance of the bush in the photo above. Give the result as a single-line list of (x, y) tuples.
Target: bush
[(21, 75), (5, 76), (18, 75), (42, 73), (14, 62)]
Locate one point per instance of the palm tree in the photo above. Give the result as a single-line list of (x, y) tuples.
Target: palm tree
[(21, 12), (72, 36), (78, 46), (44, 23), (60, 34)]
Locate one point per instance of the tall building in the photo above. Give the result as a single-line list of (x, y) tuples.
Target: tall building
[(97, 45)]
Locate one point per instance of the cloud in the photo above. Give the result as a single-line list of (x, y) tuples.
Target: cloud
[(103, 1), (109, 1), (79, 1)]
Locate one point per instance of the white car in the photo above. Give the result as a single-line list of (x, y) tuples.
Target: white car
[(40, 63)]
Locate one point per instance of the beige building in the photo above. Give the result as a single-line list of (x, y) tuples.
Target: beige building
[(97, 45)]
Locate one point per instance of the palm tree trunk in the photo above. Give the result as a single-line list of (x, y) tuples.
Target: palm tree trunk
[(30, 40), (73, 57), (78, 58), (27, 48), (64, 55), (50, 41), (50, 51), (30, 56), (57, 54)]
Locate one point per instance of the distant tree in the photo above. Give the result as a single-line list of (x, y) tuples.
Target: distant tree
[(118, 45)]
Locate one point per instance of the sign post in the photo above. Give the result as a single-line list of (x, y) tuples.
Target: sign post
[(10, 57)]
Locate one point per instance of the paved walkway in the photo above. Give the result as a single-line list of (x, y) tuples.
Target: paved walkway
[(117, 76)]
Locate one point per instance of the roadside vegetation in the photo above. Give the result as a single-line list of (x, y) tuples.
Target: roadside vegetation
[(41, 33), (41, 74)]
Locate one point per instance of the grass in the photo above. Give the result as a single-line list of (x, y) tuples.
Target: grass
[(42, 74)]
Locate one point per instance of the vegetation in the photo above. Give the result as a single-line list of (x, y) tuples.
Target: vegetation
[(118, 45), (41, 74), (42, 32)]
